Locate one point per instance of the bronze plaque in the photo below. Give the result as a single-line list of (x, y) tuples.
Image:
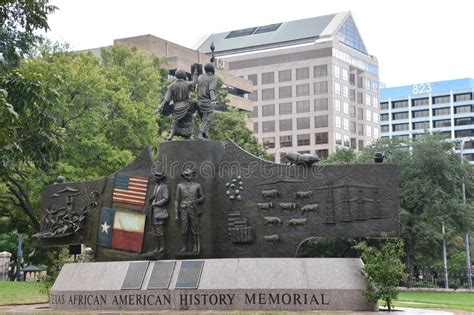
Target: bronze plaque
[(161, 275), (135, 275), (189, 274)]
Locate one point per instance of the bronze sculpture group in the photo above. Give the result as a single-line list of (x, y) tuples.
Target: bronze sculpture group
[(177, 101)]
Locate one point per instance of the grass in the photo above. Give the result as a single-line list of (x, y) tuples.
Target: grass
[(445, 300), (21, 293)]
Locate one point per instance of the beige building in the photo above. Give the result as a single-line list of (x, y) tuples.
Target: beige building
[(315, 85), (179, 57)]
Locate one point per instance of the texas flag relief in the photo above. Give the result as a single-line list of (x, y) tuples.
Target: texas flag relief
[(130, 189), (121, 230)]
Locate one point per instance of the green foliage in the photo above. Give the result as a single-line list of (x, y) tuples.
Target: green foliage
[(20, 20), (342, 155), (383, 269), (431, 176), (327, 247), (231, 125)]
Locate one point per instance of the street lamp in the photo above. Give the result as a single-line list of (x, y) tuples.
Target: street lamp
[(466, 236)]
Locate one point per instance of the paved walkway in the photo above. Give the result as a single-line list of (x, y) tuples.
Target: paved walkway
[(44, 309)]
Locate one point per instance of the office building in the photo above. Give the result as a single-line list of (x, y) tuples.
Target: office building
[(315, 85), (445, 107)]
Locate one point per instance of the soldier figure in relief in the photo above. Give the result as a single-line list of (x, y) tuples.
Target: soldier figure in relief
[(188, 195), (206, 98), (159, 213)]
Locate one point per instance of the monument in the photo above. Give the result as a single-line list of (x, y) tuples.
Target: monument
[(238, 222)]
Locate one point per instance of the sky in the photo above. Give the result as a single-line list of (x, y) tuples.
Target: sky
[(415, 41)]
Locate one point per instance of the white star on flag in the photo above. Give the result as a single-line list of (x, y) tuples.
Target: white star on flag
[(105, 227)]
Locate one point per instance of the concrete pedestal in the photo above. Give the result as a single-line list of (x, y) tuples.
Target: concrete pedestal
[(291, 284)]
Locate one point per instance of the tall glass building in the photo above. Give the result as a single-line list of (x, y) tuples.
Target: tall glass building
[(315, 86), (445, 107)]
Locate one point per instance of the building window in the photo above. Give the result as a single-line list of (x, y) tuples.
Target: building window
[(286, 141), (320, 71), (268, 110), (384, 117), (253, 78), (283, 158), (337, 71), (320, 121), (421, 125), (384, 128), (400, 104), (268, 126), (375, 102), (268, 143), (320, 104), (353, 127), (359, 82), (463, 97), (345, 75), (442, 123), (360, 98), (268, 78), (376, 132), (284, 92), (337, 105), (421, 113), (254, 113), (346, 107), (384, 105), (463, 109), (398, 116), (353, 143), (368, 130), (302, 73), (285, 108), (375, 86), (353, 111), (303, 139), (345, 91), (338, 121), (302, 89), (441, 99), (253, 96), (400, 127), (352, 95), (376, 117), (302, 106), (321, 87), (368, 100), (286, 124), (441, 111), (346, 124), (420, 101), (338, 138), (464, 133), (322, 154), (255, 127), (321, 138), (268, 94), (360, 113), (347, 141), (337, 88), (360, 129), (303, 123), (352, 78), (366, 84), (284, 75)]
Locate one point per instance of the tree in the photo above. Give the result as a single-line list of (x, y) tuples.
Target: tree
[(383, 269), (231, 125), (431, 176), (20, 20), (342, 155)]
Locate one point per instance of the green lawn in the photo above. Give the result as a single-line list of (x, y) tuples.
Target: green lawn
[(21, 293), (446, 300)]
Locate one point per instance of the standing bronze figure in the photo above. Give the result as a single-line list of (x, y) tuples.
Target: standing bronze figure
[(206, 98), (178, 94), (188, 195), (159, 213)]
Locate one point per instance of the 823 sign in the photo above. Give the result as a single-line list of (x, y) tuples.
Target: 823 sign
[(421, 88)]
